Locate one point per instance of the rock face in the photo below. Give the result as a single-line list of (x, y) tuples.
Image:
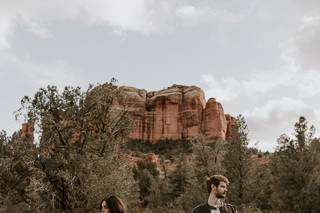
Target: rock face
[(178, 112), (231, 123), (214, 120), (27, 130)]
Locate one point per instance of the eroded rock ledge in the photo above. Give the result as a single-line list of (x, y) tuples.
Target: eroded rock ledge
[(178, 112)]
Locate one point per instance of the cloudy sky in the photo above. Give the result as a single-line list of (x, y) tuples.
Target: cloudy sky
[(258, 58)]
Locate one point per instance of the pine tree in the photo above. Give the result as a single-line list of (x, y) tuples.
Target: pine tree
[(179, 179), (145, 173), (292, 166), (238, 164)]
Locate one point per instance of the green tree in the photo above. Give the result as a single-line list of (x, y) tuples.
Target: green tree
[(179, 179), (17, 164), (292, 167), (145, 173), (79, 148), (3, 143), (238, 164), (311, 191), (208, 158)]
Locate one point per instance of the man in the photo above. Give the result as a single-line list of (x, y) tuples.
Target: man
[(217, 186)]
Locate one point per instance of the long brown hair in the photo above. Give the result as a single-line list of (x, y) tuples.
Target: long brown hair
[(114, 204)]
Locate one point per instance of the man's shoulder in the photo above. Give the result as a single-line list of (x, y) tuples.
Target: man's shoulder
[(199, 208), (230, 207)]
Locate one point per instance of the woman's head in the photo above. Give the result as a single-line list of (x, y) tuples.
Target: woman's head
[(112, 204)]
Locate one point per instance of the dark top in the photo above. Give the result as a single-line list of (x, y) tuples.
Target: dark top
[(206, 208)]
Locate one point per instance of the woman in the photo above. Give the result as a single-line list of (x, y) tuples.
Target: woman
[(112, 204)]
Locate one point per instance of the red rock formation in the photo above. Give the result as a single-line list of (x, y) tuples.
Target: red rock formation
[(177, 112), (231, 124), (135, 101), (27, 130), (214, 120)]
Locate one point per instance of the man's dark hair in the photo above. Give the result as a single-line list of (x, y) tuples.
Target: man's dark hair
[(215, 180)]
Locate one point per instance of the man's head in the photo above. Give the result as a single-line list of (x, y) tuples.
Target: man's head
[(218, 185)]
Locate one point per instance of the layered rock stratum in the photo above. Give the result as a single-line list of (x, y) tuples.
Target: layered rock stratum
[(178, 112)]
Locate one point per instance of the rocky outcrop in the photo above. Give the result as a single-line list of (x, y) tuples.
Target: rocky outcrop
[(135, 101), (231, 124), (178, 112), (27, 130), (214, 120)]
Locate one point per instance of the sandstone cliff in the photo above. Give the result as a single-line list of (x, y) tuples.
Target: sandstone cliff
[(178, 112)]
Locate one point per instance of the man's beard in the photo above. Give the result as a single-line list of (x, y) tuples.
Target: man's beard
[(220, 196)]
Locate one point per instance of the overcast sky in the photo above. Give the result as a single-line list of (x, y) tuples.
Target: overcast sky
[(258, 58)]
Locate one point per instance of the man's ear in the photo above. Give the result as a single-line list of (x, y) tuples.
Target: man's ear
[(213, 187)]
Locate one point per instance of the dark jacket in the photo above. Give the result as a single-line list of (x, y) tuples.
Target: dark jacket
[(206, 208)]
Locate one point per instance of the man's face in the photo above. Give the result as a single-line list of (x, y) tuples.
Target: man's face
[(221, 190)]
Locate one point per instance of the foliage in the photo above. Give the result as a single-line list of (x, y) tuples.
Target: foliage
[(83, 154), (167, 148), (238, 164), (145, 173), (179, 180), (79, 148), (293, 168)]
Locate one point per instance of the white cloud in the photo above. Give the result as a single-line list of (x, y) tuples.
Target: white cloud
[(186, 10), (36, 14), (303, 84), (145, 16), (36, 74), (306, 43), (222, 89), (127, 15), (5, 32), (275, 117), (277, 112), (276, 98), (40, 31)]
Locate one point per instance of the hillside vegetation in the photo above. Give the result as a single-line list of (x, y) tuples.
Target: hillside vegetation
[(83, 154)]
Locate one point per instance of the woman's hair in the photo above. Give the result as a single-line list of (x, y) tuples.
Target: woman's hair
[(114, 204)]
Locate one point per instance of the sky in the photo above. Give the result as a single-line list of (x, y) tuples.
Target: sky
[(258, 58)]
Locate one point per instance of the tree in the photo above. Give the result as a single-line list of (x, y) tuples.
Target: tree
[(238, 164), (311, 191), (17, 185), (208, 157), (79, 146), (3, 143), (145, 173), (179, 180), (260, 183), (292, 167)]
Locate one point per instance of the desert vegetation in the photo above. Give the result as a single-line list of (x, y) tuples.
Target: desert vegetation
[(80, 152)]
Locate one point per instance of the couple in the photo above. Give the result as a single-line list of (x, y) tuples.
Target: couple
[(217, 188)]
